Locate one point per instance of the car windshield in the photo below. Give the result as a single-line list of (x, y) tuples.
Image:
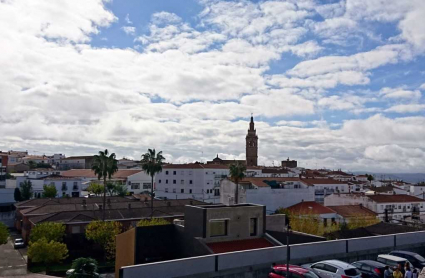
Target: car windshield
[(420, 258), (352, 272), (310, 274)]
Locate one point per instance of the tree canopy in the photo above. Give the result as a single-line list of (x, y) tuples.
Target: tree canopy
[(237, 173), (95, 188), (47, 252), (84, 268), (26, 190), (152, 222), (103, 233), (4, 233), (152, 164), (104, 166), (49, 231), (17, 195), (49, 191)]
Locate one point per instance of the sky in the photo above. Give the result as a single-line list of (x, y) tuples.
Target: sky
[(335, 84)]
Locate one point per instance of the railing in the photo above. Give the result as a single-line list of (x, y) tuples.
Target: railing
[(307, 252)]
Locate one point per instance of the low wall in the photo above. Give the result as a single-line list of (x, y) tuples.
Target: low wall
[(256, 263)]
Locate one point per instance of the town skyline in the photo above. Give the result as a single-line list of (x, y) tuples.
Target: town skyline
[(337, 85)]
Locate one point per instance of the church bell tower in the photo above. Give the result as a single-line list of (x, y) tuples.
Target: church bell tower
[(251, 145)]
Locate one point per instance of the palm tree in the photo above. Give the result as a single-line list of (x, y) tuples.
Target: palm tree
[(237, 173), (152, 164), (104, 166)]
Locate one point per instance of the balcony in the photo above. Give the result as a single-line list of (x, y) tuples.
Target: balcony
[(75, 188)]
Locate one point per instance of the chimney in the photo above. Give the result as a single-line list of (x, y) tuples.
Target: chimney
[(168, 204), (146, 199), (129, 205), (191, 202), (108, 201), (100, 207)]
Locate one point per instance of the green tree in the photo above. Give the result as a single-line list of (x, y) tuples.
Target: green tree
[(104, 233), (237, 173), (110, 187), (43, 165), (32, 164), (17, 195), (152, 222), (95, 188), (47, 252), (121, 190), (84, 268), (152, 164), (48, 230), (49, 191), (104, 166), (370, 178), (4, 233), (26, 190)]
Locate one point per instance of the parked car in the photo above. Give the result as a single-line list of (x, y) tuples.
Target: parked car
[(279, 271), (18, 243), (415, 259), (334, 269), (391, 260), (370, 269)]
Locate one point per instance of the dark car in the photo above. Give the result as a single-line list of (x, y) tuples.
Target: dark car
[(415, 259), (295, 271), (370, 269)]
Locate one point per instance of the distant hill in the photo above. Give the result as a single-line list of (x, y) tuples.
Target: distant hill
[(412, 178)]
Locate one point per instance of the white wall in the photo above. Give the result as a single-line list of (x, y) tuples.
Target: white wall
[(139, 182)]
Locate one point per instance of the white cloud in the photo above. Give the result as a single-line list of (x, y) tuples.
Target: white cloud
[(406, 108), (397, 93), (165, 18), (127, 19), (129, 30), (422, 87), (292, 123)]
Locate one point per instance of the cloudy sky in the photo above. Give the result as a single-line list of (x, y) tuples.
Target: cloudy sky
[(336, 84)]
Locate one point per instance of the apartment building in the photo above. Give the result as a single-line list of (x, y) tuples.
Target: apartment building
[(395, 207)]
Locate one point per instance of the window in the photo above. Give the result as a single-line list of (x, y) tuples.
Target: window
[(146, 185), (213, 173), (75, 229), (217, 192), (159, 181), (319, 266), (166, 181), (253, 227), (206, 173), (174, 182), (174, 190), (182, 190), (166, 190), (135, 185), (190, 191), (330, 268), (190, 182), (182, 182), (174, 173), (129, 183), (166, 172), (218, 227)]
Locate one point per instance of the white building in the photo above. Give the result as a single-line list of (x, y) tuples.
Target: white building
[(274, 193), (397, 207), (137, 180), (65, 186), (194, 180), (418, 190), (325, 187)]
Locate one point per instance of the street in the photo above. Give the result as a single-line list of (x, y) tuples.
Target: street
[(11, 261)]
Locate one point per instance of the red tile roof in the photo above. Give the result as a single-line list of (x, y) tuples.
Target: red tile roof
[(394, 198), (352, 211), (239, 245), (88, 173), (203, 166), (309, 208), (322, 181)]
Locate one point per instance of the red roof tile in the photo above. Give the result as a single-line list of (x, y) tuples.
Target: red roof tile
[(239, 245), (394, 198), (309, 208), (347, 211), (88, 173)]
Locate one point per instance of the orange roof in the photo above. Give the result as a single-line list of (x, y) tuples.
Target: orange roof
[(352, 210), (309, 208), (239, 245), (203, 166), (322, 181), (260, 180), (394, 198), (88, 173)]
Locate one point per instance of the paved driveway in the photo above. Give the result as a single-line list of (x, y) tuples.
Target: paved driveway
[(11, 261)]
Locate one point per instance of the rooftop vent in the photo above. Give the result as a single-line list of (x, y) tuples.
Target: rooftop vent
[(129, 206), (100, 207), (108, 201)]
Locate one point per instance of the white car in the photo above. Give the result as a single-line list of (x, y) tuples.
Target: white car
[(19, 243), (334, 269)]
